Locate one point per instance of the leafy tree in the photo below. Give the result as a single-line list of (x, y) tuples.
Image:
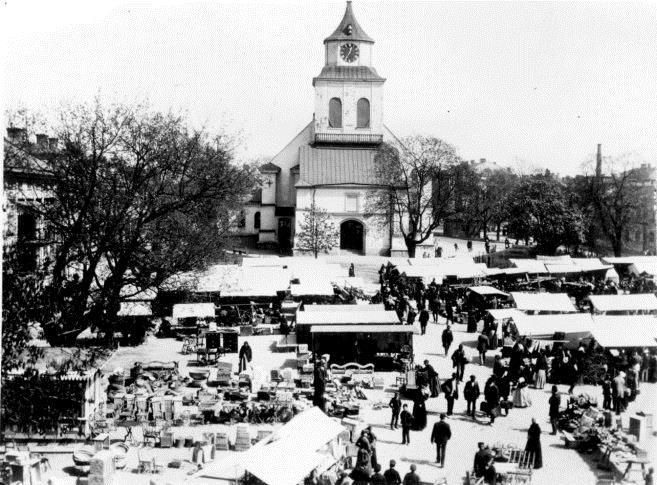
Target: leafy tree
[(140, 196), (318, 233), (539, 208), (416, 187)]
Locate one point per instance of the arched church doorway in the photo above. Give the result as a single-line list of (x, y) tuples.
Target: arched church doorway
[(351, 236)]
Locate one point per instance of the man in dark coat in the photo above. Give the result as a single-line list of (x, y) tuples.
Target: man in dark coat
[(451, 390), (395, 406), (245, 356), (481, 459), (424, 319), (555, 403), (471, 393), (377, 478), (433, 378), (534, 444), (391, 475), (440, 435), (412, 478), (482, 347), (492, 396), (406, 422), (458, 361), (447, 338), (320, 376)]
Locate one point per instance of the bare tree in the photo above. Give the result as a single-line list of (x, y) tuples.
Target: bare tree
[(415, 190), (318, 233)]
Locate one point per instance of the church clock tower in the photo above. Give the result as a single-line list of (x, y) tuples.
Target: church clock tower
[(348, 91)]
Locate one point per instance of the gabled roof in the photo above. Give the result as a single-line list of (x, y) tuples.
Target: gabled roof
[(270, 168), (349, 29), (351, 73), (336, 166), (296, 169)]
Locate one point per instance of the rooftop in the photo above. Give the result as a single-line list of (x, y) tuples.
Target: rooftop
[(349, 29)]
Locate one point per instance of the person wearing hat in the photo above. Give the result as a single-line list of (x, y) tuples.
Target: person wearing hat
[(482, 456), (377, 478), (440, 436), (433, 378), (391, 475), (412, 478), (447, 338), (555, 403), (451, 389), (471, 393), (406, 421)]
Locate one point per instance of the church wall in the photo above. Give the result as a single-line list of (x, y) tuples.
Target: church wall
[(287, 158), (349, 93), (334, 201)]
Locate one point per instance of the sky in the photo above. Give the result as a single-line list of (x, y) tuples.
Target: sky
[(539, 83)]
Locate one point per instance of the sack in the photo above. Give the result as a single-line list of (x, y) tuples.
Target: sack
[(497, 411), (483, 406)]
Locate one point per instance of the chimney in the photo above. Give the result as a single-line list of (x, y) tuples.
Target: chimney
[(52, 143), (471, 162), (482, 160), (598, 162), (17, 135), (42, 141)]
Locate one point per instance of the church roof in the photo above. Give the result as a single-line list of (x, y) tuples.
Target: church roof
[(352, 73), (336, 166), (270, 168), (349, 29)]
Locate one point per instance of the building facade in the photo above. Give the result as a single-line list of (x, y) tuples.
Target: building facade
[(331, 159)]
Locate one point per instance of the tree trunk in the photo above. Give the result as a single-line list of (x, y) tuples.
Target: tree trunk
[(410, 247), (498, 228), (617, 244)]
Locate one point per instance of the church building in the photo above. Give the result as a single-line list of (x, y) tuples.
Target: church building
[(331, 160)]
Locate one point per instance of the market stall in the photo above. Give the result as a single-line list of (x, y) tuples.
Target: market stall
[(624, 304), (543, 303), (370, 307), (305, 320), (311, 441), (619, 331), (571, 327), (381, 345)]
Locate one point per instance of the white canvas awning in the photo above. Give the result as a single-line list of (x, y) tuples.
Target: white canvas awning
[(315, 329), (543, 302), (617, 331), (504, 313), (341, 308), (312, 288), (135, 309), (193, 310), (529, 265), (487, 290), (620, 303), (576, 325), (376, 317), (644, 268)]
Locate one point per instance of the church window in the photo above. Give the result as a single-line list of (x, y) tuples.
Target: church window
[(363, 109), (256, 220), (335, 113), (351, 203)]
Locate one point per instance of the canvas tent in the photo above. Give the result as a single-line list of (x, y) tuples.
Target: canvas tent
[(543, 302), (341, 308), (624, 303), (487, 291), (193, 310), (309, 441), (345, 317), (575, 326), (530, 266), (618, 331)]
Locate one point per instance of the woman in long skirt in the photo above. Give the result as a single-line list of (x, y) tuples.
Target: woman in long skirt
[(419, 412), (541, 370), (534, 443), (521, 397)]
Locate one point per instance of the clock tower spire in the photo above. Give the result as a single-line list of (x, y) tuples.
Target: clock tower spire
[(348, 91)]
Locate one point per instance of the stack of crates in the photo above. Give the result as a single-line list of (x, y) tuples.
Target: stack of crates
[(221, 441), (242, 438)]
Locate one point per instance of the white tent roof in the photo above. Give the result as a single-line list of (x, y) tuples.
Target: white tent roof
[(504, 313), (135, 309), (487, 290), (315, 329), (547, 325), (277, 464), (606, 303), (625, 330), (543, 302), (189, 310), (644, 267), (347, 317), (312, 287), (630, 260), (564, 259), (529, 265), (232, 280), (341, 308)]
